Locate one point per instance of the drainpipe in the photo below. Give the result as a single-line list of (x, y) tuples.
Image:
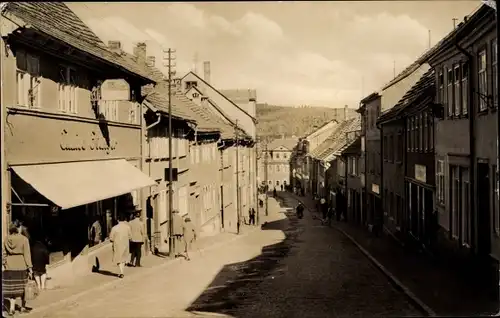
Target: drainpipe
[(144, 134), (472, 141), (155, 123), (380, 221)]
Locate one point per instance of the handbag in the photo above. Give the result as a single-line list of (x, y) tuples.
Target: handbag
[(31, 289)]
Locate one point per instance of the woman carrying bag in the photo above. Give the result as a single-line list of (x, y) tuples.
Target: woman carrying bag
[(16, 268)]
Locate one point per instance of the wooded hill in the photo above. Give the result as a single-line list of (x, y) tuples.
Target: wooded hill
[(277, 120)]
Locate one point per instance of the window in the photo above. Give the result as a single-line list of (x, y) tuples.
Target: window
[(408, 125), (420, 132), (28, 80), (107, 108), (277, 156), (133, 115), (440, 86), (391, 148), (417, 133), (399, 147), (385, 145), (465, 88), (440, 181), (450, 98), (494, 71), (455, 200), (277, 168), (430, 131), (457, 93), (482, 81), (67, 92), (466, 216), (425, 132)]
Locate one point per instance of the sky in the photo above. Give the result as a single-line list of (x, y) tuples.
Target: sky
[(327, 54)]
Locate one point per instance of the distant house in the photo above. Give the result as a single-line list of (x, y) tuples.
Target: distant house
[(306, 145), (328, 166), (274, 163)]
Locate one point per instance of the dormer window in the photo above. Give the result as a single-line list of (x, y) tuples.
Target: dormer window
[(190, 84)]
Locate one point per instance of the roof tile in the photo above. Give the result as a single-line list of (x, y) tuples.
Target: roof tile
[(59, 21)]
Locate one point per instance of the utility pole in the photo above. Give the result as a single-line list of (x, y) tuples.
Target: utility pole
[(266, 156), (238, 207), (394, 68), (497, 15), (454, 22), (429, 39), (171, 71), (257, 146)]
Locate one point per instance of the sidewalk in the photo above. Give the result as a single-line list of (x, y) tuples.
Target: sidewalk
[(95, 282), (436, 286)]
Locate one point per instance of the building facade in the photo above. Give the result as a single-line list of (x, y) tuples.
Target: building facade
[(370, 109), (353, 187), (73, 157), (465, 64), (278, 163)]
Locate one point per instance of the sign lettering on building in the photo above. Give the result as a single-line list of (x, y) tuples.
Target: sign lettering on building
[(421, 173), (92, 142)]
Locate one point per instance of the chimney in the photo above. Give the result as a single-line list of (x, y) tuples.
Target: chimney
[(140, 51), (115, 46), (206, 71), (151, 61)]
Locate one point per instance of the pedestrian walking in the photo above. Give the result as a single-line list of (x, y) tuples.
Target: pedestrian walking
[(252, 216), (16, 268), (324, 208), (281, 188), (137, 240), (329, 216), (274, 192), (95, 232), (189, 236), (40, 259), (177, 232), (120, 236)]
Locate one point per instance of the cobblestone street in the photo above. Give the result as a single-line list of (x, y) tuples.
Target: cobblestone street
[(293, 268)]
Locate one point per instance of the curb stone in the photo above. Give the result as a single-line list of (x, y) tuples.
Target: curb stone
[(416, 301), (40, 310)]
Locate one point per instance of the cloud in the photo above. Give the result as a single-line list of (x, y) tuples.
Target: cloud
[(254, 51)]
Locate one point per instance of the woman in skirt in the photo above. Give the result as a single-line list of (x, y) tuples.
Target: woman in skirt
[(40, 259), (16, 265)]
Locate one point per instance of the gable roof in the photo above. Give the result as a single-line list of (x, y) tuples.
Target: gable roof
[(422, 91), (228, 130), (288, 143), (57, 20), (218, 92), (337, 140), (320, 127), (352, 147)]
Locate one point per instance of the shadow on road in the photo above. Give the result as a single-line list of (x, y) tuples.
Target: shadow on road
[(231, 287)]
